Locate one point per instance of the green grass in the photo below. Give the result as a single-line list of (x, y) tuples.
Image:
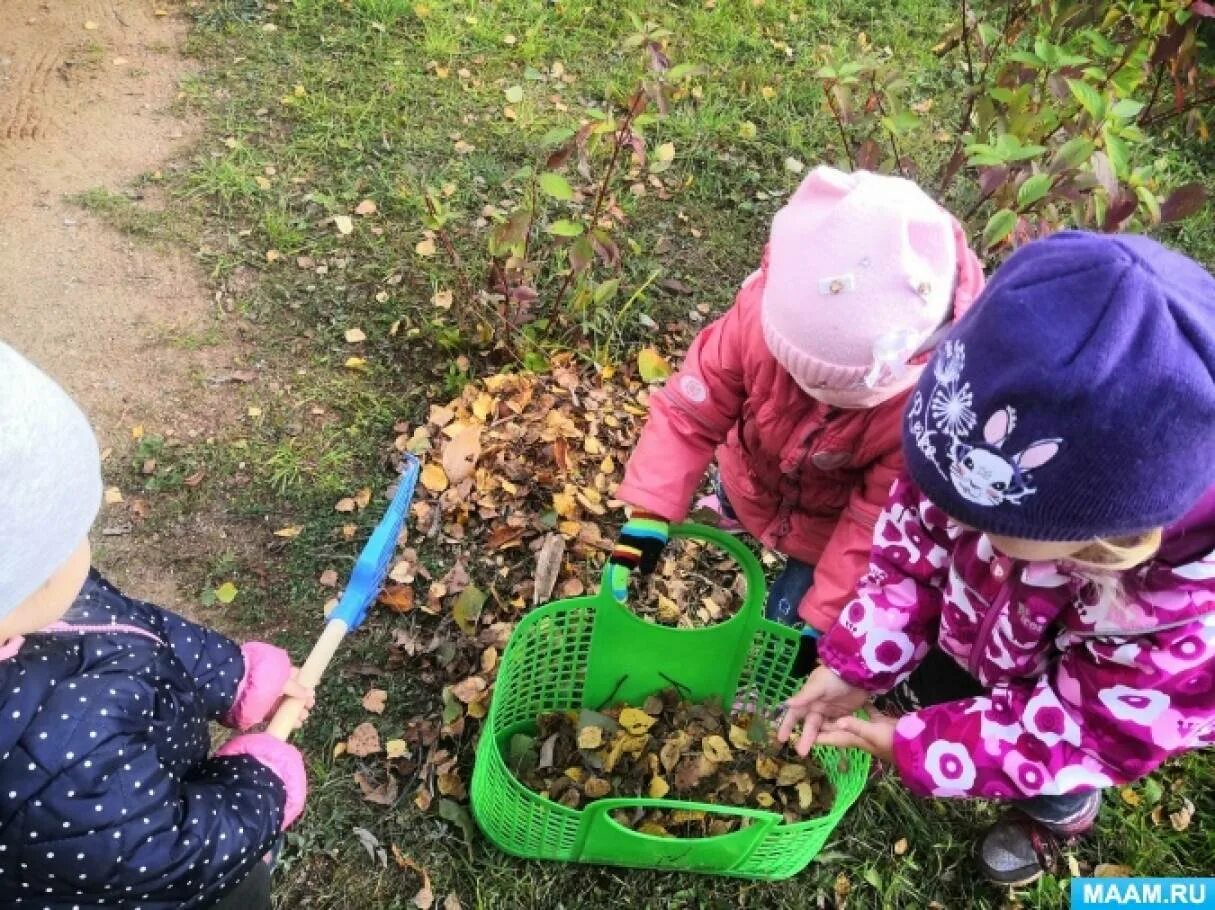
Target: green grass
[(351, 99)]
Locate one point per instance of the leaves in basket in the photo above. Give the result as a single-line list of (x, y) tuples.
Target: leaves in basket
[(669, 749)]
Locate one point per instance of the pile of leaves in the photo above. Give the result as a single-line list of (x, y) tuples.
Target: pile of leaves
[(694, 586), (672, 748)]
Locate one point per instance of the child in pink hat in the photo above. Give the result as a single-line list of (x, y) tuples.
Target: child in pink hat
[(798, 389)]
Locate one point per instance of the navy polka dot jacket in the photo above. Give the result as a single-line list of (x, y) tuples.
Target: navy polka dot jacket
[(107, 795)]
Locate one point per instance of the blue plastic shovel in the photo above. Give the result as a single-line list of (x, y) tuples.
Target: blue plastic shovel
[(361, 592)]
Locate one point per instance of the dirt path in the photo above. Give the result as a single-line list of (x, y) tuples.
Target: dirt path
[(85, 92)]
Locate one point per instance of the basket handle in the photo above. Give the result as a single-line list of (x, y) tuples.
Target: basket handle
[(603, 839), (752, 571)]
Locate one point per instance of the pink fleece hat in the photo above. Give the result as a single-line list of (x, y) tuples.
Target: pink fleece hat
[(862, 269)]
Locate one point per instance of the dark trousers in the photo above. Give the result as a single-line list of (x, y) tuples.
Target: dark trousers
[(251, 894)]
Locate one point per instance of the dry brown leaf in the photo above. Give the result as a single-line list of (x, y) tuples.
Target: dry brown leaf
[(548, 567), (354, 336), (375, 701), (329, 578), (1110, 870), (452, 902), (767, 767), (790, 774), (1180, 820), (739, 738), (366, 207), (489, 660), (461, 453), (596, 787), (398, 598), (425, 898), (289, 532), (345, 504), (900, 845), (470, 690), (362, 498), (590, 737), (363, 741)]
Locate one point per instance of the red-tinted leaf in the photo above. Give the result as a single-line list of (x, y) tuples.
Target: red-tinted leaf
[(1168, 45), (581, 254), (605, 247), (1202, 8), (1183, 202), (951, 169), (868, 156), (991, 179), (558, 158), (1120, 209), (659, 62)]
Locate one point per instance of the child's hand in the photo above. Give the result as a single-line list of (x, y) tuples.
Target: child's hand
[(824, 697), (294, 689), (642, 540), (875, 735)]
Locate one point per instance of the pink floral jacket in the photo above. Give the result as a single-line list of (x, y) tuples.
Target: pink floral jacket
[(1084, 692)]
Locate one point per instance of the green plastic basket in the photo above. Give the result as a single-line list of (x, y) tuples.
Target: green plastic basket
[(591, 652)]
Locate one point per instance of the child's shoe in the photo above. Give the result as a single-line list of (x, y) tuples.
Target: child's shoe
[(1027, 841)]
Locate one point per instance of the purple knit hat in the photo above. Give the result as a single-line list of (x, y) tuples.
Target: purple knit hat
[(1076, 400)]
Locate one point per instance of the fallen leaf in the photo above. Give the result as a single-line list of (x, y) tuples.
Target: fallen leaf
[(396, 748), (366, 207), (443, 299), (1180, 820), (329, 578), (1129, 796), (548, 567), (425, 248), (514, 94), (489, 660), (467, 609), (90, 26), (289, 532), (652, 366), (452, 811), (635, 722), (461, 453), (363, 741), (451, 902), (1110, 870), (226, 593), (434, 478), (382, 794), (716, 749), (344, 224), (597, 788), (354, 336), (375, 701), (362, 498), (900, 845), (470, 690), (790, 774), (345, 504), (590, 737), (371, 844), (398, 598), (658, 788), (113, 496), (425, 898)]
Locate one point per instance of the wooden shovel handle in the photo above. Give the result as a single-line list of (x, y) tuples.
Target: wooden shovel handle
[(285, 718)]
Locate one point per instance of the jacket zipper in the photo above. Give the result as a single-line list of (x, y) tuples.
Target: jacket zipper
[(789, 499), (989, 621)]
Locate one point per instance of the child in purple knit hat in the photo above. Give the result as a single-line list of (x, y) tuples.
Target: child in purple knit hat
[(1040, 604)]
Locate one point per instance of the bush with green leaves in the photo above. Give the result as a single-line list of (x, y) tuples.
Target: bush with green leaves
[(1063, 107)]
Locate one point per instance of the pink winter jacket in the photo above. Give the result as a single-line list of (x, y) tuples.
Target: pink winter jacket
[(1085, 692), (806, 479)]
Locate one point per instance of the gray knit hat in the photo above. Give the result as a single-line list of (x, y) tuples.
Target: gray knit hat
[(50, 478)]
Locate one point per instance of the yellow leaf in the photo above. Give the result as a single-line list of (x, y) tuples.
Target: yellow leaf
[(739, 738), (396, 748), (747, 130), (356, 363), (805, 799), (653, 829), (564, 504), (339, 750), (764, 799), (425, 248), (1129, 796), (1109, 870), (635, 722), (716, 749), (263, 183), (766, 767), (226, 593), (113, 496), (590, 737), (255, 411), (514, 94), (658, 788), (652, 366), (362, 498), (354, 336), (434, 478), (289, 531), (137, 431), (665, 152), (344, 224), (790, 774), (768, 92), (442, 299)]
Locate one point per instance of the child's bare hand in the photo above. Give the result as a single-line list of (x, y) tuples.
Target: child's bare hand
[(306, 694), (875, 735), (824, 697)]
